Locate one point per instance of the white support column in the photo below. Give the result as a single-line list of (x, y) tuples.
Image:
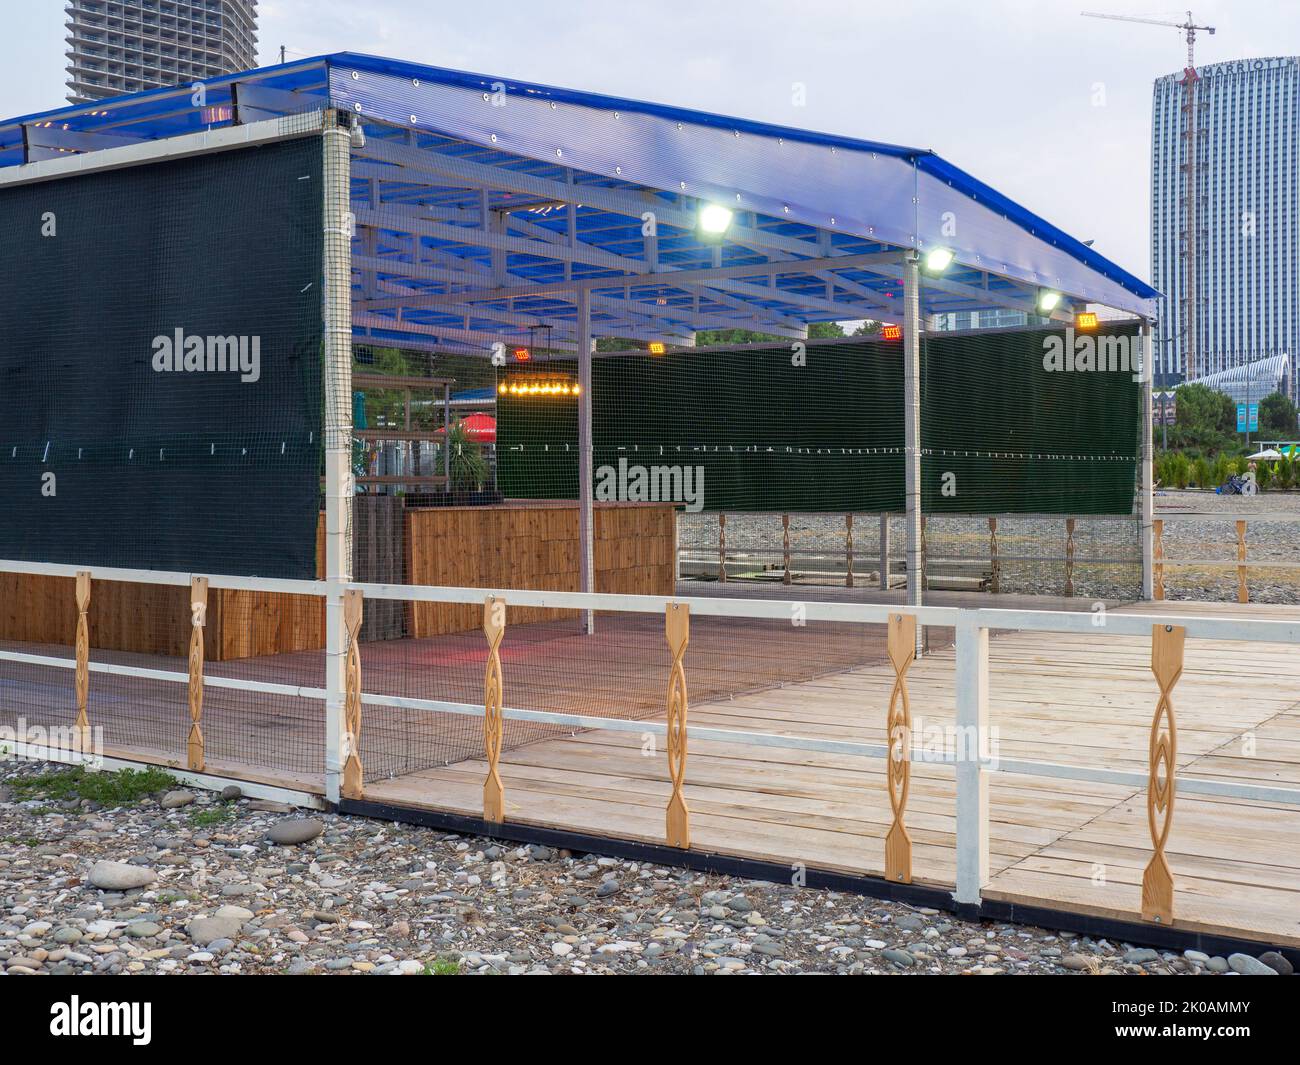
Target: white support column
[(1146, 484), (337, 374), (912, 430), (972, 680), (586, 518)]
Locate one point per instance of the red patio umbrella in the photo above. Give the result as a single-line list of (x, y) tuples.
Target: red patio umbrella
[(481, 428)]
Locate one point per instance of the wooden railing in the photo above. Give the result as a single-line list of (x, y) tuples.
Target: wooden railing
[(1160, 783), (994, 562), (972, 770), (1242, 563)]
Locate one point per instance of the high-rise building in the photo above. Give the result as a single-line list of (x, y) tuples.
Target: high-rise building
[(124, 46), (997, 318), (1246, 172)]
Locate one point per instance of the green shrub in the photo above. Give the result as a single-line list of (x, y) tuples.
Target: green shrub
[(1284, 474), (1201, 473), (1180, 470)]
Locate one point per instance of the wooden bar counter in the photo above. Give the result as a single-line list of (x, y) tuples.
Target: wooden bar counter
[(517, 544)]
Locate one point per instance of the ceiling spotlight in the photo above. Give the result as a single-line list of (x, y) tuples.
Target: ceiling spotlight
[(714, 218), (937, 260), (1048, 300)]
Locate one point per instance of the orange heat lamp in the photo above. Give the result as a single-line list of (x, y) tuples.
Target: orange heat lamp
[(522, 354), (1085, 320), (658, 347), (892, 332)]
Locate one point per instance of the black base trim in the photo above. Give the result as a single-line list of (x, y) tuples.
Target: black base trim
[(1141, 933)]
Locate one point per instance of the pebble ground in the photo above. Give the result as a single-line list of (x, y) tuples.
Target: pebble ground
[(358, 896)]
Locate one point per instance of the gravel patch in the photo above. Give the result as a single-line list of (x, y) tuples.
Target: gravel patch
[(369, 897), (1107, 550)]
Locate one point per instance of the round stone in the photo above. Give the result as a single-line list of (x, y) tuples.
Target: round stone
[(207, 930), (1248, 966), (118, 876), (294, 830)]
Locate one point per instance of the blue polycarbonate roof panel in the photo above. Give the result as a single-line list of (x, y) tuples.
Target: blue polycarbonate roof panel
[(904, 196), (840, 194)]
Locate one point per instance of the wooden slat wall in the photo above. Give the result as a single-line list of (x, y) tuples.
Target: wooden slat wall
[(533, 547), (155, 618), (378, 557)]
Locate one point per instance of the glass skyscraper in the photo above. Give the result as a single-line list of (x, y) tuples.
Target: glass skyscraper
[(1247, 180), (123, 46)]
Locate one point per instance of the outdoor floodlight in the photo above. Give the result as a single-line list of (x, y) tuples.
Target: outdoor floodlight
[(937, 260), (714, 218)]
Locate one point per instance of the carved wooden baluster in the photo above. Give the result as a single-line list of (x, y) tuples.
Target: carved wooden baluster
[(848, 550), (902, 651), (494, 628), (81, 730), (677, 629), (194, 750), (1158, 558), (785, 536), (1243, 593), (722, 548), (1069, 557), (1167, 665), (995, 567), (353, 785)]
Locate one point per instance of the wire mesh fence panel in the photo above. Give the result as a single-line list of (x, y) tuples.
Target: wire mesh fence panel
[(758, 471), (37, 701), (140, 630), (161, 402), (551, 663), (274, 638)]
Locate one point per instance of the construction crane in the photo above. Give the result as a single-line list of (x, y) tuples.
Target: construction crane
[(1189, 244)]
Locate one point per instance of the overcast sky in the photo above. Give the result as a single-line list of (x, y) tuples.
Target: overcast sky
[(1048, 107)]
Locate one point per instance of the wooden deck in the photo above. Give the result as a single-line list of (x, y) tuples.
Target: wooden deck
[(1082, 700)]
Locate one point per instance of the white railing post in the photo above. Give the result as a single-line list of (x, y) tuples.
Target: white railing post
[(912, 432), (1146, 479), (586, 446), (972, 680)]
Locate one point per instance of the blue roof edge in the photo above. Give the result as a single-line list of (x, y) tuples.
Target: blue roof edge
[(69, 110), (940, 168), (466, 79)]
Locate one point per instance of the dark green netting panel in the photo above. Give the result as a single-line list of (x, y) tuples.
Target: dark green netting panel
[(1004, 429), (161, 409), (160, 367), (774, 428)]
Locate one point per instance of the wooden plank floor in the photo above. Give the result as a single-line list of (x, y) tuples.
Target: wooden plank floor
[(1085, 700)]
